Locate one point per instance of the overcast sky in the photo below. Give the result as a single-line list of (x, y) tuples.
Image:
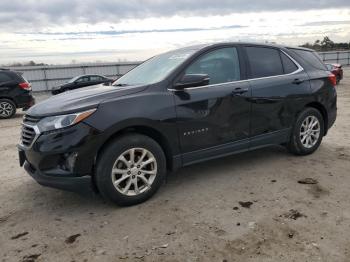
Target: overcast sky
[(59, 31)]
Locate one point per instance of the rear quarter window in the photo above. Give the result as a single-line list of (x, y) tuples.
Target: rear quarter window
[(311, 58), (288, 65)]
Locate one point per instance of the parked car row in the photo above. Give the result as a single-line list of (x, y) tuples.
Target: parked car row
[(176, 109), (82, 81)]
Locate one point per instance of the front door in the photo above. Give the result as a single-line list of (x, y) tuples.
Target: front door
[(214, 120)]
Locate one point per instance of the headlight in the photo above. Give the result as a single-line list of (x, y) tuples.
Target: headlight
[(56, 122)]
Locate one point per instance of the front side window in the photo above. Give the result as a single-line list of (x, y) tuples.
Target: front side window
[(83, 79), (264, 62), (221, 66)]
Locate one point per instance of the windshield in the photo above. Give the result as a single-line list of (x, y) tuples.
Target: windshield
[(73, 79), (155, 69)]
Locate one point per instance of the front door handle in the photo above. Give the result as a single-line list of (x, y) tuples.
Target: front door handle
[(297, 81), (239, 91)]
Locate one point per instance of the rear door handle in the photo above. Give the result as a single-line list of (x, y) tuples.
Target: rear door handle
[(239, 91), (297, 81)]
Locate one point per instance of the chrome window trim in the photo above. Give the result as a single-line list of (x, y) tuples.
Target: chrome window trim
[(37, 134), (300, 69)]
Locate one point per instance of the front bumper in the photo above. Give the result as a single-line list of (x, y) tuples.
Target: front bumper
[(81, 184), (63, 159)]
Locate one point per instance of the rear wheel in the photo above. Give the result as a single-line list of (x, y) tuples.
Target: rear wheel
[(130, 170), (7, 108), (307, 132)]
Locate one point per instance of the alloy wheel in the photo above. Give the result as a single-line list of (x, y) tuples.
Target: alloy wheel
[(310, 131), (134, 171), (6, 109)]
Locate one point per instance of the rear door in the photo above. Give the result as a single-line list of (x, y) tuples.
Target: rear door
[(214, 119), (278, 85)]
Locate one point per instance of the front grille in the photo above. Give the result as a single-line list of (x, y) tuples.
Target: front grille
[(28, 133)]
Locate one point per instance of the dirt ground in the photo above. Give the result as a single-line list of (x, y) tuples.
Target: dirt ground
[(197, 214)]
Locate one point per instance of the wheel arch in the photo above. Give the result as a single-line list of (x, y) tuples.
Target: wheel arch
[(9, 98), (323, 112), (151, 132)]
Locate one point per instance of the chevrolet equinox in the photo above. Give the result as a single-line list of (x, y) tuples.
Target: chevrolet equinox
[(176, 109)]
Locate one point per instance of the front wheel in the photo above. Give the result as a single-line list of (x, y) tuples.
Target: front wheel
[(307, 132), (130, 170)]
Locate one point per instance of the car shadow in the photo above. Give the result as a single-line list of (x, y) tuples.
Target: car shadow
[(233, 162)]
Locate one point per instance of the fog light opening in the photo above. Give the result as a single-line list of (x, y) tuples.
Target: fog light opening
[(70, 161)]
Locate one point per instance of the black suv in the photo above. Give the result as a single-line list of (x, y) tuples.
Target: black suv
[(81, 81), (176, 109), (15, 92)]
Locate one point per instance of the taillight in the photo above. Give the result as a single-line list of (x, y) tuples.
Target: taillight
[(332, 79), (25, 86)]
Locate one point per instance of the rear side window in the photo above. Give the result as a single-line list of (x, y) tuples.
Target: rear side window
[(264, 62), (221, 65), (311, 58), (4, 77), (95, 78), (288, 65)]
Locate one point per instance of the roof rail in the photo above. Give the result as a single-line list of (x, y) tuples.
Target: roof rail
[(4, 69)]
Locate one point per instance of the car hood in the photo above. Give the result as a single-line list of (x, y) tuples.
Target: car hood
[(80, 99)]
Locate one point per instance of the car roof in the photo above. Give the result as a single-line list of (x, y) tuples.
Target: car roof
[(88, 75), (210, 45)]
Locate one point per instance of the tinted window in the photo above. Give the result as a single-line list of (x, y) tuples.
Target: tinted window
[(83, 79), (311, 58), (4, 77), (288, 65), (264, 62), (95, 78), (221, 65)]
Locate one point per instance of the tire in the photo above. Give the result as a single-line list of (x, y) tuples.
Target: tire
[(7, 108), (112, 158), (299, 143)]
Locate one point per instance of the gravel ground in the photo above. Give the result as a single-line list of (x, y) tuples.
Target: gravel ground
[(247, 207)]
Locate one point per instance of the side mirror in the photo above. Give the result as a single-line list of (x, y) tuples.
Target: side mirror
[(193, 80)]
